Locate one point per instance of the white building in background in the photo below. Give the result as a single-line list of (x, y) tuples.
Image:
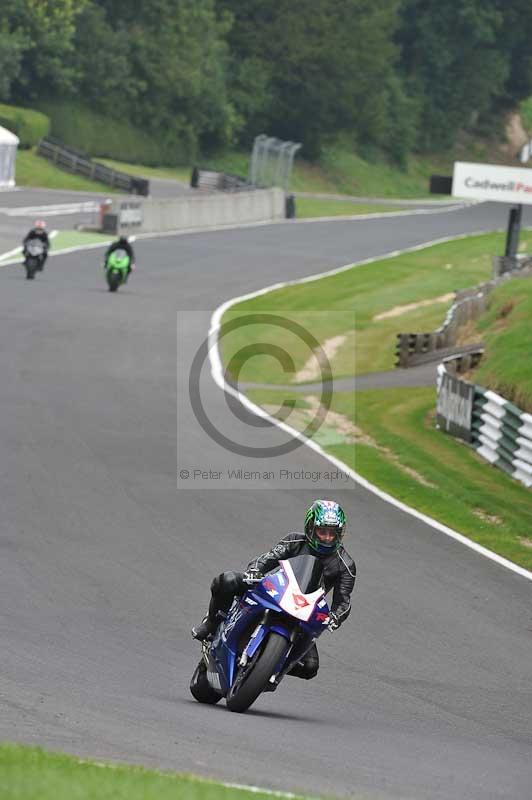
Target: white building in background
[(8, 155)]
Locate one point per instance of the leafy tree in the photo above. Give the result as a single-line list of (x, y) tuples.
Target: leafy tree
[(514, 40), (170, 65), (37, 35), (12, 47), (106, 81), (451, 63), (319, 67)]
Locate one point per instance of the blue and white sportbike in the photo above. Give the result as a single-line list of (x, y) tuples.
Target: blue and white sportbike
[(263, 635)]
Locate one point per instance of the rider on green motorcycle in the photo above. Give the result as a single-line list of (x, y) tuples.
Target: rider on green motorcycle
[(122, 243)]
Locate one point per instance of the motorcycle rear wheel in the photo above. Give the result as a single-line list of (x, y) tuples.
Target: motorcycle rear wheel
[(244, 692)]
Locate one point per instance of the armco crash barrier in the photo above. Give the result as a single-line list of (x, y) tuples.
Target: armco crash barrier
[(413, 349), (193, 212), (499, 431)]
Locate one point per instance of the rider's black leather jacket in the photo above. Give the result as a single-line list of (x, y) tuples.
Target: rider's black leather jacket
[(120, 244), (339, 569)]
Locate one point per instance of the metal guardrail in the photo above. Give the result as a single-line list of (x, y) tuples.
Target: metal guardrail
[(72, 160), (413, 349), (209, 180), (499, 431), (467, 306)]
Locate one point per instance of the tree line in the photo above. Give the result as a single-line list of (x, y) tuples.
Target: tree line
[(397, 76)]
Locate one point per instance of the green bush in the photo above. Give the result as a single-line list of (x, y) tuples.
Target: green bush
[(108, 137), (30, 126)]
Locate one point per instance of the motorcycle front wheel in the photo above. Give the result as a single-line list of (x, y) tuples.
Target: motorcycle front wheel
[(114, 279), (252, 680), (201, 688)]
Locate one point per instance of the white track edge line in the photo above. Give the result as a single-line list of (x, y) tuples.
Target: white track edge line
[(242, 787), (217, 373)]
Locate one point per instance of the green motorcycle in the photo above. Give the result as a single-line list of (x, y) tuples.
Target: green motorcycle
[(117, 269)]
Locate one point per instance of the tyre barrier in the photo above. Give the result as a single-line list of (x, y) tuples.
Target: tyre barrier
[(498, 430), (207, 180)]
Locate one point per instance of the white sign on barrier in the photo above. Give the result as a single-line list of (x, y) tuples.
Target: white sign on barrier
[(130, 213), (490, 182)]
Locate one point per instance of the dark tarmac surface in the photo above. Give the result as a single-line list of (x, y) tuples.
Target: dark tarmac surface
[(424, 375), (425, 693)]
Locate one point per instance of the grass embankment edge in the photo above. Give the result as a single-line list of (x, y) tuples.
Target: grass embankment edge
[(34, 171), (471, 500), (413, 289), (31, 773), (425, 472)]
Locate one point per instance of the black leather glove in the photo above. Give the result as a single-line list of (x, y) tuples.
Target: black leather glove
[(333, 624)]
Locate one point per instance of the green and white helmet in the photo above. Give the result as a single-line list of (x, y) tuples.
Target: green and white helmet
[(324, 526)]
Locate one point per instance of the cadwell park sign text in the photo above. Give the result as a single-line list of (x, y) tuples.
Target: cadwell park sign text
[(490, 182)]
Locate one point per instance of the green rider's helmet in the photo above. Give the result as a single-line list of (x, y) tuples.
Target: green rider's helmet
[(324, 526)]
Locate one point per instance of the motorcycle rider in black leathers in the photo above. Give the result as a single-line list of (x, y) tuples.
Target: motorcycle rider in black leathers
[(38, 232), (324, 527)]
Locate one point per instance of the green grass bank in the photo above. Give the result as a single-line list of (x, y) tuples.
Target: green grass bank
[(29, 773), (388, 436), (32, 170), (506, 329), (367, 305)]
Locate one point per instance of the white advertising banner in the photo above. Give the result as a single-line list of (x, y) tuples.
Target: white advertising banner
[(490, 182)]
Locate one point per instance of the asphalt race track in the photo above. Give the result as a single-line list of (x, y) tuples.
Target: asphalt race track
[(425, 693)]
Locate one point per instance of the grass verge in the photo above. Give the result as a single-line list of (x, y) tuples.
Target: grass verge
[(341, 171), (29, 773), (347, 304), (181, 174), (388, 437), (307, 207), (32, 170), (66, 239), (506, 366)]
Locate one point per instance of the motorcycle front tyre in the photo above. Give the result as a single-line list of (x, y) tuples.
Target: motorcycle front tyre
[(113, 280), (201, 688), (241, 695)]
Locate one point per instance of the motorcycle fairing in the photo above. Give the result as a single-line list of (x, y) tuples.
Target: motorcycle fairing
[(278, 592)]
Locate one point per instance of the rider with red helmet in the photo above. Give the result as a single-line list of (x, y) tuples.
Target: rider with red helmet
[(38, 232)]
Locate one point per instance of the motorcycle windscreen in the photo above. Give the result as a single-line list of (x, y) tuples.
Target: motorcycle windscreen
[(35, 247), (308, 572), (118, 259), (304, 587)]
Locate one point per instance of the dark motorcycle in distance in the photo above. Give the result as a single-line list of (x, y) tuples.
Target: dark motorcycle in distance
[(264, 634), (34, 257)]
